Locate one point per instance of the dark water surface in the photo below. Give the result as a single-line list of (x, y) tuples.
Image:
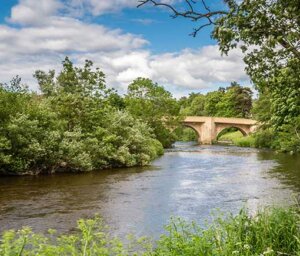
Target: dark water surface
[(188, 181)]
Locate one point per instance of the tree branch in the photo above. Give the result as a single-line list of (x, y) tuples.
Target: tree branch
[(284, 43), (189, 13)]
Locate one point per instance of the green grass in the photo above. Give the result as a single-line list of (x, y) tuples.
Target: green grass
[(273, 231), (231, 136), (238, 139)]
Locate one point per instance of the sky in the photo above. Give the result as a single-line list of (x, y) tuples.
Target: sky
[(124, 41)]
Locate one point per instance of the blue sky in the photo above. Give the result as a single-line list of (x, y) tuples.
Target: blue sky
[(163, 32), (124, 41)]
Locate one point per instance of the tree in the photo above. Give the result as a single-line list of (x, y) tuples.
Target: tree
[(76, 93), (240, 98), (212, 103), (154, 105)]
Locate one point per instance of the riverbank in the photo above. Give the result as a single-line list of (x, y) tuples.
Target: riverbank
[(236, 138), (272, 231), (268, 139)]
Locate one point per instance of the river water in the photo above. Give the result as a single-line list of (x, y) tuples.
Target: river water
[(190, 181)]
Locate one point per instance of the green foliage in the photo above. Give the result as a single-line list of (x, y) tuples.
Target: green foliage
[(268, 33), (233, 101), (237, 139), (152, 104), (77, 124), (185, 134), (230, 134), (272, 26), (270, 232), (248, 141), (264, 138), (284, 139), (90, 239), (274, 231), (262, 108), (289, 136)]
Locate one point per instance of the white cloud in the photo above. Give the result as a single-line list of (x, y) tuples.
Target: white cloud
[(100, 7), (29, 12), (65, 34), (199, 68), (188, 69), (122, 56), (32, 12), (144, 21)]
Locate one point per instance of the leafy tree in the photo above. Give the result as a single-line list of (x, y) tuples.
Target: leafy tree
[(154, 105), (268, 33), (262, 108), (237, 101), (197, 106), (212, 103)]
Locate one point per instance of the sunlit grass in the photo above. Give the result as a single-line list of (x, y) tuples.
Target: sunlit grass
[(231, 136), (237, 138)]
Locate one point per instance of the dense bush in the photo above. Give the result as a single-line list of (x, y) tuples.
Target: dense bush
[(271, 232), (284, 139), (76, 124)]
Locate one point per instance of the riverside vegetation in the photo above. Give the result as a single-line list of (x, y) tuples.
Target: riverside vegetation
[(77, 124), (273, 231)]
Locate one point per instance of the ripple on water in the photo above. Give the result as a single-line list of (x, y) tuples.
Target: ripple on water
[(189, 180)]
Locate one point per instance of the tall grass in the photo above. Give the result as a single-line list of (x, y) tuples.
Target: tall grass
[(238, 139), (271, 232)]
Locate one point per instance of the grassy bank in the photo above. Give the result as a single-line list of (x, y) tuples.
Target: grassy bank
[(273, 231), (237, 139)]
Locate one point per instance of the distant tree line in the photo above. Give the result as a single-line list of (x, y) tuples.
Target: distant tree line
[(232, 101)]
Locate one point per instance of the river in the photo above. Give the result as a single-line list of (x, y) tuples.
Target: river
[(190, 181)]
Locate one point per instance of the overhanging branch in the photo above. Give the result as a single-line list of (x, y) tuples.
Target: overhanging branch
[(189, 12)]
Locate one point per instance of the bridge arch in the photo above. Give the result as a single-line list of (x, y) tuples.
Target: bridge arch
[(221, 129), (195, 129)]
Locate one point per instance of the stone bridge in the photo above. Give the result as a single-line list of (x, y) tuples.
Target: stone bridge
[(208, 128)]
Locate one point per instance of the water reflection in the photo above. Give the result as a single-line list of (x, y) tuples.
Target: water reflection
[(189, 181), (287, 167)]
